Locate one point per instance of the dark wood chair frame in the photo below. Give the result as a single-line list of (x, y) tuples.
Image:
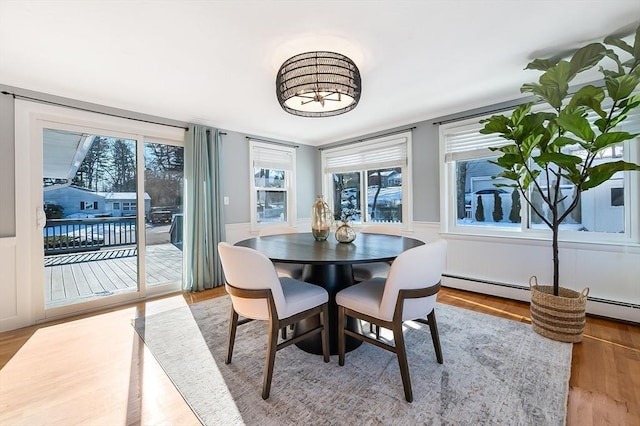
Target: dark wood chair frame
[(395, 325), (275, 325)]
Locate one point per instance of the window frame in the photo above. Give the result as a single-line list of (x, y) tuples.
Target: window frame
[(448, 207), (369, 145), (255, 147)]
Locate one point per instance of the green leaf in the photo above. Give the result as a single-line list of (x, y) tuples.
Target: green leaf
[(519, 113), (621, 87), (589, 96), (507, 149), (576, 124), (611, 138), (562, 160), (603, 172), (618, 43), (630, 103), (549, 94), (528, 178), (564, 141), (585, 58), (530, 143), (557, 79), (507, 161), (509, 174), (495, 124), (540, 64)]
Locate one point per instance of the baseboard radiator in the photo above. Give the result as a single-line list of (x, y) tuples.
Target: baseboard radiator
[(520, 287)]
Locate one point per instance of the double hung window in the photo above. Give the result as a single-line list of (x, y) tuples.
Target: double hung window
[(473, 204), (369, 181), (272, 181)]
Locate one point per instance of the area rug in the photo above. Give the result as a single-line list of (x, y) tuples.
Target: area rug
[(495, 371)]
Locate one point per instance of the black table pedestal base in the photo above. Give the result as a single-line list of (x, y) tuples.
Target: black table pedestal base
[(333, 278)]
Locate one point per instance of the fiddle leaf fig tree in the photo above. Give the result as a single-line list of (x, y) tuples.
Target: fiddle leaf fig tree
[(559, 145)]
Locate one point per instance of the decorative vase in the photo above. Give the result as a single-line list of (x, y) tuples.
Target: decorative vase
[(321, 219), (345, 233), (561, 317)]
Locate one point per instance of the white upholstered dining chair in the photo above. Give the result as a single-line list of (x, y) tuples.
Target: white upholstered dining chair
[(409, 293), (291, 270), (366, 271), (257, 293)]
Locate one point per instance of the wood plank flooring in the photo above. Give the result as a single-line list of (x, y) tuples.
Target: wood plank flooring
[(94, 369), (74, 278)]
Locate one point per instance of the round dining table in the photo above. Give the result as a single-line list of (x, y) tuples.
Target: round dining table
[(329, 264)]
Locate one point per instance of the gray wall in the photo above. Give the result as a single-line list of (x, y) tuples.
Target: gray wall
[(236, 174)]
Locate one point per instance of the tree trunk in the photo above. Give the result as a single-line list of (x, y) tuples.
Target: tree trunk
[(556, 260)]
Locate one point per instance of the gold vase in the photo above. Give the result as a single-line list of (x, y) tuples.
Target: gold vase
[(345, 233), (321, 219)]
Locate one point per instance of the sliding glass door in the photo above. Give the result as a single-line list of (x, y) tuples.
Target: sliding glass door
[(90, 199), (106, 194), (163, 183)]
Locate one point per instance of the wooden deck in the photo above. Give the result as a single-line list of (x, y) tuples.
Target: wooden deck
[(74, 278)]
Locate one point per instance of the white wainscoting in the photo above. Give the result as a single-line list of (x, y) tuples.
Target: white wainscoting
[(502, 267), (10, 303)]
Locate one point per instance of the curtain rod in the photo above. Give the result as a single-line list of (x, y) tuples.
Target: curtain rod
[(533, 99), (479, 114), (90, 110), (367, 139), (273, 142)]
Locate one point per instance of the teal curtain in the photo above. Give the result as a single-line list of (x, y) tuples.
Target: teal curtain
[(204, 220)]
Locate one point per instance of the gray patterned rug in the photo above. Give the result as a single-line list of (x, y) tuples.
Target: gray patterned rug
[(495, 371)]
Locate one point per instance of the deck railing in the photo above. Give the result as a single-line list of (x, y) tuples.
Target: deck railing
[(75, 235)]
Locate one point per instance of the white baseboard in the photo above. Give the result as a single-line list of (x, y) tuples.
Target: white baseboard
[(604, 308)]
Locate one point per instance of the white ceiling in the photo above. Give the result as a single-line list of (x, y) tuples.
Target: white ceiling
[(215, 62)]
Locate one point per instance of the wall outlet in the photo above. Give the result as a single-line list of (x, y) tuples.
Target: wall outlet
[(226, 201)]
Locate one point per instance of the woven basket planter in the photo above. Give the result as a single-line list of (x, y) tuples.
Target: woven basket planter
[(559, 317)]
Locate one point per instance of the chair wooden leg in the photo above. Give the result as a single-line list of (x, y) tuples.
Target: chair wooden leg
[(324, 320), (233, 325), (433, 327), (376, 328), (401, 353), (272, 344), (341, 336), (284, 333)]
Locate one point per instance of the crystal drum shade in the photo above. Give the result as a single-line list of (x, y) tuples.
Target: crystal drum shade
[(318, 84)]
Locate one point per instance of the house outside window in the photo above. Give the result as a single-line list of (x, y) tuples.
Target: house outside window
[(272, 184), (128, 206), (116, 206), (473, 204), (372, 177)]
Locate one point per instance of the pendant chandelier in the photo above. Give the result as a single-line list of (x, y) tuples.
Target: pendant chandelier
[(318, 84)]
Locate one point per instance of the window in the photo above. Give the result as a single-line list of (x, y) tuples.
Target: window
[(272, 183), (472, 203), (129, 206), (116, 206), (371, 177)]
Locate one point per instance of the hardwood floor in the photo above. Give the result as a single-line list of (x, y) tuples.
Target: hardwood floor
[(94, 369)]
